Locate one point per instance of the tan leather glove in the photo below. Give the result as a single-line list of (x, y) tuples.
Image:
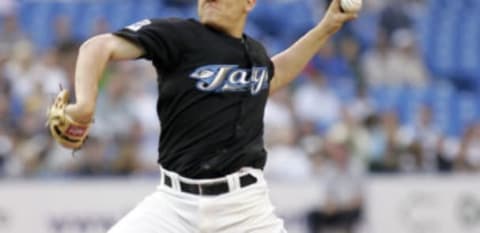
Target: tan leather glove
[(63, 128)]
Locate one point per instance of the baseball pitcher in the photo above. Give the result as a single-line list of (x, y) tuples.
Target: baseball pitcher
[(213, 83)]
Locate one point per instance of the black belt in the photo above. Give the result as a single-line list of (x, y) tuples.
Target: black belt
[(216, 188)]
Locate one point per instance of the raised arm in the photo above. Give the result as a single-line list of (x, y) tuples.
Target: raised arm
[(289, 63), (94, 54)]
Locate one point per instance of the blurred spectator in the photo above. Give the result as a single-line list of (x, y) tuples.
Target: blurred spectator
[(343, 187), (6, 141), (315, 102), (375, 5), (408, 66), (100, 26), (92, 160), (52, 74), (287, 161), (63, 30), (143, 106), (31, 145), (10, 165), (350, 50), (10, 33), (415, 9), (381, 138), (114, 111), (6, 7), (32, 81), (66, 57), (444, 155), (6, 120), (361, 106), (357, 139), (278, 115), (22, 70), (296, 120), (394, 16), (394, 66), (126, 162), (468, 158), (374, 66), (422, 138), (331, 63)]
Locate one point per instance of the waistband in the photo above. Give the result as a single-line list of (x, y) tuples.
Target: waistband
[(235, 181)]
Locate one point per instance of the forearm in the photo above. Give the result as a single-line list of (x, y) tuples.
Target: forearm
[(91, 62), (289, 63), (93, 57)]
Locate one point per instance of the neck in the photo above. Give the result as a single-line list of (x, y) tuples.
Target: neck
[(237, 30)]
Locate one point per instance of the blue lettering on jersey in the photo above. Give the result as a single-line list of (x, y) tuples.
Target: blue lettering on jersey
[(230, 78)]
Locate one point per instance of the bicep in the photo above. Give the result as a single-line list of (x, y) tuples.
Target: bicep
[(123, 49), (112, 47), (277, 81)]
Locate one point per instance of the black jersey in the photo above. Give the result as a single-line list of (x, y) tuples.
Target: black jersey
[(212, 94)]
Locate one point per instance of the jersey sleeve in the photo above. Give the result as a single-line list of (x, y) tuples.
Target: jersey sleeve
[(159, 39), (271, 68)]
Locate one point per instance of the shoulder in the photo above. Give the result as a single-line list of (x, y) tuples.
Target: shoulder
[(261, 54), (181, 31), (255, 43), (257, 47), (160, 25), (173, 23)]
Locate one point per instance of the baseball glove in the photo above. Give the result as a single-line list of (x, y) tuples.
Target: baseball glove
[(64, 129)]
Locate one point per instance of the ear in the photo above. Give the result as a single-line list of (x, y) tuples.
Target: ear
[(250, 5)]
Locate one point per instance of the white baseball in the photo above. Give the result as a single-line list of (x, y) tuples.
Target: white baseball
[(351, 5)]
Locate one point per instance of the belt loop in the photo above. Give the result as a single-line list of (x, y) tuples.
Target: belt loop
[(175, 181), (233, 181), (162, 177)]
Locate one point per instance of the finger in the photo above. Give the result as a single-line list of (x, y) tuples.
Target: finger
[(350, 16), (335, 6), (63, 95), (347, 16)]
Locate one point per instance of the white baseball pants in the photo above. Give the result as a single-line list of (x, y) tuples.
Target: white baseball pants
[(169, 210)]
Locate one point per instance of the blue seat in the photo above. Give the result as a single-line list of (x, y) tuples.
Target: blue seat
[(366, 27), (385, 98), (344, 88), (409, 102), (467, 109), (440, 96), (121, 15), (265, 16), (25, 11), (42, 14), (477, 103), (86, 17), (452, 47), (297, 17)]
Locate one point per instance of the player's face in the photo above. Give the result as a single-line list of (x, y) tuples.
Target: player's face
[(224, 14)]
